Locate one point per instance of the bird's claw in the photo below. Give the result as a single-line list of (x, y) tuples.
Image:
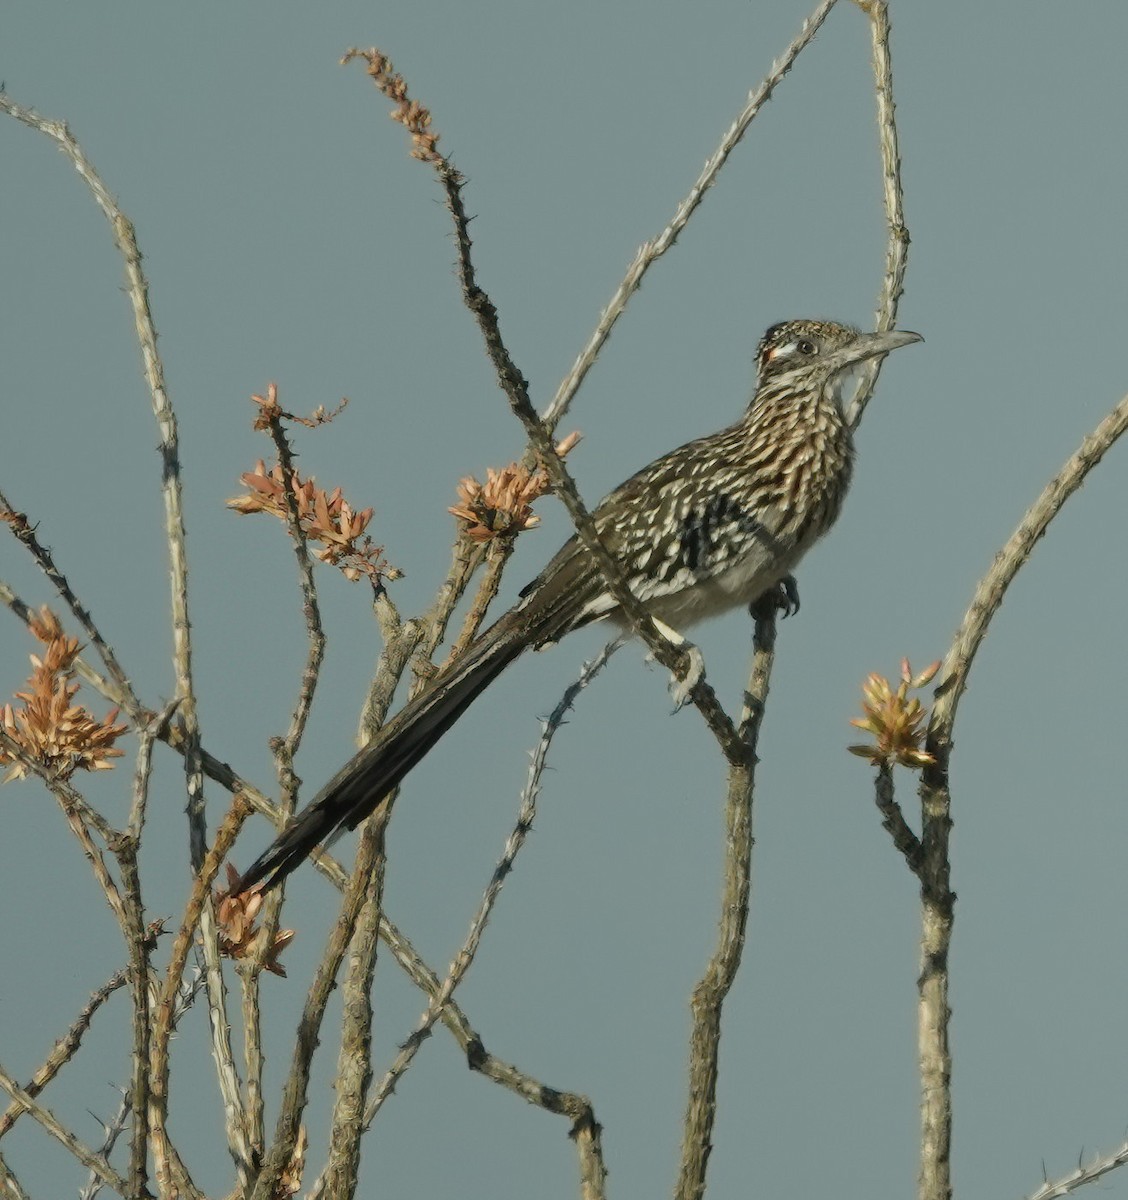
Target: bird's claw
[(681, 690), (783, 598)]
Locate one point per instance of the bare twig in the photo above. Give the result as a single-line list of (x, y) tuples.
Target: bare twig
[(310, 608), (253, 1058), (75, 819), (67, 1046), (403, 639), (148, 731), (893, 819), (992, 587), (651, 251), (138, 944), (51, 1124), (465, 957), (937, 898), (709, 995), (400, 640), (1097, 1169), (80, 816), (284, 749), (115, 1126), (897, 251), (223, 1054), (497, 557), (354, 1059), (466, 558), (111, 1130), (25, 532), (295, 1092), (164, 1010), (137, 287)]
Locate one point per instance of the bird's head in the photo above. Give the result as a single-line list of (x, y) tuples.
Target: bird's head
[(811, 353)]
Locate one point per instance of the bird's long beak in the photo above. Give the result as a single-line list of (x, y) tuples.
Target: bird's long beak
[(870, 345)]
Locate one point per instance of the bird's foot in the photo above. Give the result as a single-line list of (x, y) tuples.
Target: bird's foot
[(783, 598), (681, 690)]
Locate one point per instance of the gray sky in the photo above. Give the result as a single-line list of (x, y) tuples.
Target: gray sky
[(288, 237)]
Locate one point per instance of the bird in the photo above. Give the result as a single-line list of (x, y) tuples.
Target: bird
[(717, 523)]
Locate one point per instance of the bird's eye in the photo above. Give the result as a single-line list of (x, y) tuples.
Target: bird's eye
[(805, 346)]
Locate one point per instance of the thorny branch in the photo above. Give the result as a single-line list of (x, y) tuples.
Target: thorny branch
[(897, 251), (938, 900), (465, 957), (709, 994)]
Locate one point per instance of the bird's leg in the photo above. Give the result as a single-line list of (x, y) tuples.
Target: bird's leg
[(782, 597), (680, 689)]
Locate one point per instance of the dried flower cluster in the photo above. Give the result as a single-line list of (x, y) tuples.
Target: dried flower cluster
[(236, 916), (47, 725), (325, 517), (410, 114), (502, 506), (896, 721)]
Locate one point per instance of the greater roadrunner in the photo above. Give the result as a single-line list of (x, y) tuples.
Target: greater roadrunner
[(719, 522)]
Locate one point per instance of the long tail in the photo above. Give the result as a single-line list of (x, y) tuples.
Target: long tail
[(369, 775)]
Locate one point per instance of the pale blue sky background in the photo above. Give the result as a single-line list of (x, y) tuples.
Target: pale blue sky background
[(288, 237)]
